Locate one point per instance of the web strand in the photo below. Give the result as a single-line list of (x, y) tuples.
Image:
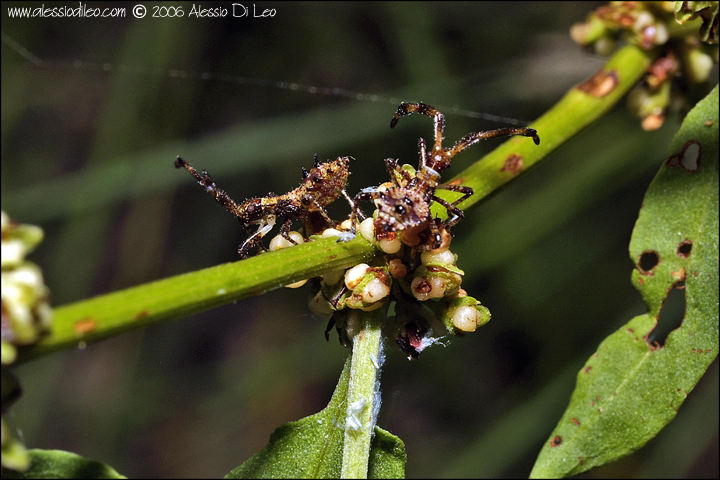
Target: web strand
[(241, 80)]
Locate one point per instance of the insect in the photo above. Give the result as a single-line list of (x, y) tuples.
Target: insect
[(322, 185), (404, 203)]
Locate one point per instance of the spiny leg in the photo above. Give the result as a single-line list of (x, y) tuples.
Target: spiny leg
[(396, 172), (439, 119), (452, 209), (285, 230), (473, 138), (366, 194), (206, 181), (308, 201), (466, 191)]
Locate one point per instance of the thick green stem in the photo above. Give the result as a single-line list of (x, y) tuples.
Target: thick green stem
[(363, 400), (581, 105), (107, 315)]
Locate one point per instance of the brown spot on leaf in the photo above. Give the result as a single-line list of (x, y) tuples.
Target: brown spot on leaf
[(575, 421), (600, 84), (556, 441), (679, 277), (688, 158), (587, 369), (649, 259), (709, 123), (513, 164)]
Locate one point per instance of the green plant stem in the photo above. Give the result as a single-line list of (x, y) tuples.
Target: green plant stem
[(363, 395), (106, 315), (575, 111)]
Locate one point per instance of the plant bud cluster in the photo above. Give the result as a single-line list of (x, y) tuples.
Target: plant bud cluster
[(26, 313), (688, 50), (26, 316), (418, 285)]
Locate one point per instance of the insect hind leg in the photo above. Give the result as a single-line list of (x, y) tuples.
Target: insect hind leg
[(438, 118), (206, 181)]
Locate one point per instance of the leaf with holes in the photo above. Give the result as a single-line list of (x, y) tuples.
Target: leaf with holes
[(313, 446), (633, 385)]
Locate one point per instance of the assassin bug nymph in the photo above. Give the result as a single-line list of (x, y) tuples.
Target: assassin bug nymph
[(405, 204), (321, 186)]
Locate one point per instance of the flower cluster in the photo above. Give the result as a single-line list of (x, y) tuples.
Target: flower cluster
[(686, 58), (26, 315), (419, 287)]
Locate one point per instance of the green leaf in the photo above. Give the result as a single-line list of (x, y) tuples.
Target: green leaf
[(313, 447), (632, 386), (60, 464)]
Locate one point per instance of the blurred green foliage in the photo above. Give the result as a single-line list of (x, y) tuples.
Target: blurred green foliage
[(88, 151)]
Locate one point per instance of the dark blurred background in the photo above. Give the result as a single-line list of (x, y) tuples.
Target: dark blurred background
[(89, 136)]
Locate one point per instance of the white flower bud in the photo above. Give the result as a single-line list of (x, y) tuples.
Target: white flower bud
[(297, 284), (466, 318), (390, 244), (279, 241), (367, 230), (331, 232), (319, 304), (441, 258), (427, 288), (375, 290), (354, 276)]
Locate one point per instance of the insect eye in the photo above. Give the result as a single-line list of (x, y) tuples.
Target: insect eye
[(400, 209)]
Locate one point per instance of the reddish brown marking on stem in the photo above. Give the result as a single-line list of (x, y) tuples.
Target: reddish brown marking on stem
[(600, 84), (709, 123), (513, 164), (556, 441), (85, 326), (587, 369), (142, 314)]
